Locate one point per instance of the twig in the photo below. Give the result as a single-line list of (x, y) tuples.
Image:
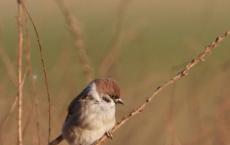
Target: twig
[(114, 51), (19, 75), (43, 68), (10, 69), (201, 57), (75, 30)]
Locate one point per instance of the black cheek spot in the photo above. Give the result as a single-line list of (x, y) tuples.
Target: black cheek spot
[(106, 99), (115, 97)]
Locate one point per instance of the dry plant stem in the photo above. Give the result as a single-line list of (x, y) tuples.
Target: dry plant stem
[(43, 68), (11, 110), (19, 75), (75, 30), (30, 112), (114, 51), (201, 57)]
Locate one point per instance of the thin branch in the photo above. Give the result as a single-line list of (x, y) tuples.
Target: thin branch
[(12, 108), (75, 29), (114, 51), (201, 57), (19, 75), (11, 73), (43, 68)]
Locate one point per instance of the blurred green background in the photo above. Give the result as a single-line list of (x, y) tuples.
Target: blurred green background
[(157, 39)]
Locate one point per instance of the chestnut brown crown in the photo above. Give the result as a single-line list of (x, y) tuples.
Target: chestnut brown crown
[(110, 87)]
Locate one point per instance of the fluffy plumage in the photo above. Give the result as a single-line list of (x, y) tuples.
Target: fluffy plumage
[(91, 114)]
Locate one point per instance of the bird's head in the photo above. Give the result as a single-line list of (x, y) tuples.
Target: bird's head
[(108, 90)]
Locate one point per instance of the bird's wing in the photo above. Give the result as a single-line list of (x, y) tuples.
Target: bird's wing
[(76, 104)]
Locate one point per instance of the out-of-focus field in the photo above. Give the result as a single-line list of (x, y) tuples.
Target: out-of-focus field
[(158, 38)]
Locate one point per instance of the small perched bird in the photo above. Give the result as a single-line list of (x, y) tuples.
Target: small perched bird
[(91, 114)]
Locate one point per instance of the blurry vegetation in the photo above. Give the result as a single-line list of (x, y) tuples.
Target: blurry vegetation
[(158, 39)]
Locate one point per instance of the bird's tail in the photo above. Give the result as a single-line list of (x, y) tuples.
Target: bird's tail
[(57, 140)]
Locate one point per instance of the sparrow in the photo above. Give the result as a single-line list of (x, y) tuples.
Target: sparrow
[(91, 114)]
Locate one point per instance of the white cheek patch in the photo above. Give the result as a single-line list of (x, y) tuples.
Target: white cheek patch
[(93, 92), (105, 106)]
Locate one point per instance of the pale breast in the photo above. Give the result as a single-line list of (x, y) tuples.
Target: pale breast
[(94, 119)]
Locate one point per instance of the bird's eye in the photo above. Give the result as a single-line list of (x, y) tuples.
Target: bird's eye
[(106, 99), (114, 97)]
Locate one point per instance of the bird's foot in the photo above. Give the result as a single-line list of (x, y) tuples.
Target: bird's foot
[(109, 135)]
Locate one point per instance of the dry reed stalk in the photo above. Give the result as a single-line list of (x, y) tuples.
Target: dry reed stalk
[(75, 29), (43, 68), (199, 58), (11, 110), (11, 73), (19, 74), (113, 54), (30, 112)]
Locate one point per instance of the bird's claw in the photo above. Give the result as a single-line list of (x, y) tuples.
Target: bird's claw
[(109, 134)]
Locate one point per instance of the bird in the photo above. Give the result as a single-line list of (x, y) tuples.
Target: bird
[(91, 114)]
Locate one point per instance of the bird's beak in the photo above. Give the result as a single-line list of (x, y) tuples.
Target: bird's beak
[(119, 101)]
